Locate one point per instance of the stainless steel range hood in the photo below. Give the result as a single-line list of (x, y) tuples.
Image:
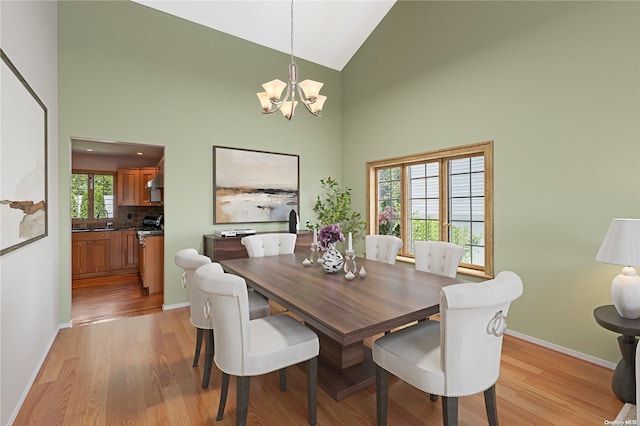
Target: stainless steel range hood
[(157, 182)]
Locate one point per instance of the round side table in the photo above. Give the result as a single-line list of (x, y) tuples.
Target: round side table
[(624, 376)]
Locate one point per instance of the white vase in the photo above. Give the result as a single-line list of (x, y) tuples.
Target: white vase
[(332, 259)]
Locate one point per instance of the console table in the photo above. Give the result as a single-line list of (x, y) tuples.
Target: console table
[(221, 248), (623, 384)]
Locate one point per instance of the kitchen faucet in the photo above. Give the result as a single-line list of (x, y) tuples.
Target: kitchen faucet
[(102, 210)]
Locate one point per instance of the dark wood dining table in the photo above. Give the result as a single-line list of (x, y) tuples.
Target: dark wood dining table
[(343, 313)]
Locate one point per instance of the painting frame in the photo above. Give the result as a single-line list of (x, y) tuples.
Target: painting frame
[(23, 142), (252, 186)]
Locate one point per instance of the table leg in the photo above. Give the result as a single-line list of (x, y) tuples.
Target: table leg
[(344, 370), (624, 376)]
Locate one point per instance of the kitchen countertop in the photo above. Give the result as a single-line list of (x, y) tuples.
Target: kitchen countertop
[(102, 229)]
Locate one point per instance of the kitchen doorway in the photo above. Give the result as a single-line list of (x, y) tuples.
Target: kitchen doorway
[(109, 201)]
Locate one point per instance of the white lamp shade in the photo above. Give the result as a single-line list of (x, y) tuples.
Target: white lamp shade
[(265, 102), (316, 107), (274, 88), (288, 108), (621, 244), (311, 88)]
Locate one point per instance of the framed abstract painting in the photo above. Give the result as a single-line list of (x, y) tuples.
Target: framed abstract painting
[(23, 161), (254, 186)]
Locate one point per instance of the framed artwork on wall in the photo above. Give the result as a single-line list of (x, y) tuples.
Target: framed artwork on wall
[(254, 186), (23, 161)]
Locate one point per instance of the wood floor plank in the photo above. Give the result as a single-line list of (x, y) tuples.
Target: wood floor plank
[(137, 371)]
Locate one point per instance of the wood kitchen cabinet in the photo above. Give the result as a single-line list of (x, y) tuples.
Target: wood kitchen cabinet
[(146, 174), (132, 186), (129, 250), (90, 253), (151, 263), (128, 187), (95, 253)]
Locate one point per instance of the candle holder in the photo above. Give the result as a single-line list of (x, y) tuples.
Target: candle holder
[(314, 255), (350, 262)]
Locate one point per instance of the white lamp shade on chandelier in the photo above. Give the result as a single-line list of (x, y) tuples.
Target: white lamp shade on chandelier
[(621, 246), (307, 91)]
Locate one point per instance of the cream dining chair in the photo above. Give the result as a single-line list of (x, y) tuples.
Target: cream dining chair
[(456, 356), (253, 347), (189, 260), (383, 248), (439, 257), (273, 244)]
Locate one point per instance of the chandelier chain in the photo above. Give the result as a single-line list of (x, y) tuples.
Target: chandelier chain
[(291, 30)]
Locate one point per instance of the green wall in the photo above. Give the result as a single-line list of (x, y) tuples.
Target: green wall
[(556, 85), (131, 74)]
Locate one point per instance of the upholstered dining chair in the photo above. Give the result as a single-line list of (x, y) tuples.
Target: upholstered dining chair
[(439, 257), (383, 248), (456, 356), (273, 244), (254, 347), (189, 260)]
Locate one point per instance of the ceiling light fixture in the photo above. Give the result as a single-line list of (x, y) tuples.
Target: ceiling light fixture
[(308, 91)]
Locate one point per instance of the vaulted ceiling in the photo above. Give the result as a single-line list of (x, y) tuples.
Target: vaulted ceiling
[(326, 32)]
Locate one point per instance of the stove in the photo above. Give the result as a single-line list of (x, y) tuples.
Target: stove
[(152, 225)]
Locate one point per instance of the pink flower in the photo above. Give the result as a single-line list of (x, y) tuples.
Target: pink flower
[(329, 234)]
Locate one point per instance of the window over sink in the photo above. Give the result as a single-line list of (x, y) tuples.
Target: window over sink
[(92, 195)]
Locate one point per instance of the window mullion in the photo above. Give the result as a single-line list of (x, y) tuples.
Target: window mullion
[(444, 221), (90, 197), (405, 230)]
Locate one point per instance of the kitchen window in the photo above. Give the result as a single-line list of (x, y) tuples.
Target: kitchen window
[(92, 195), (444, 195)]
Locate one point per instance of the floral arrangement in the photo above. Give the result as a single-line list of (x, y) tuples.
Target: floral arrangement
[(329, 234), (388, 221)]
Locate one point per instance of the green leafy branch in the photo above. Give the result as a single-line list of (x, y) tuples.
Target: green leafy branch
[(335, 207)]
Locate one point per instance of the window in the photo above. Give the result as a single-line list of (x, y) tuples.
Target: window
[(444, 195), (92, 195)]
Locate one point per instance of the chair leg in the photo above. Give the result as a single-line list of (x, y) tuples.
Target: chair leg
[(490, 405), (450, 411), (382, 394), (312, 389), (242, 399), (283, 379), (224, 390), (208, 359), (196, 356)]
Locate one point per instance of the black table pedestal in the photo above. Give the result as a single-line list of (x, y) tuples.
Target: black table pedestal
[(624, 377)]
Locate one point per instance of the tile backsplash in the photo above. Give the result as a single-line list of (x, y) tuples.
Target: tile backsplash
[(131, 216)]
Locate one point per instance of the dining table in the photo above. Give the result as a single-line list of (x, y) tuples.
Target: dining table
[(342, 312)]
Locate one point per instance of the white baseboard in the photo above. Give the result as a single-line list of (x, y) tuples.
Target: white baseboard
[(562, 349), (175, 306), (31, 381)]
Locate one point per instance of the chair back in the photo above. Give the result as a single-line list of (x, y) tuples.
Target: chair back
[(439, 257), (472, 321), (227, 306), (260, 245), (383, 248), (189, 260)]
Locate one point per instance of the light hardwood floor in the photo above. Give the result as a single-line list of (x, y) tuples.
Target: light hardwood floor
[(137, 371), (106, 298)]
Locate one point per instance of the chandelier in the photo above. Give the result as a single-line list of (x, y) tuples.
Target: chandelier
[(307, 91)]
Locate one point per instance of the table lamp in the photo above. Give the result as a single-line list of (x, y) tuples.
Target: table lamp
[(621, 246)]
